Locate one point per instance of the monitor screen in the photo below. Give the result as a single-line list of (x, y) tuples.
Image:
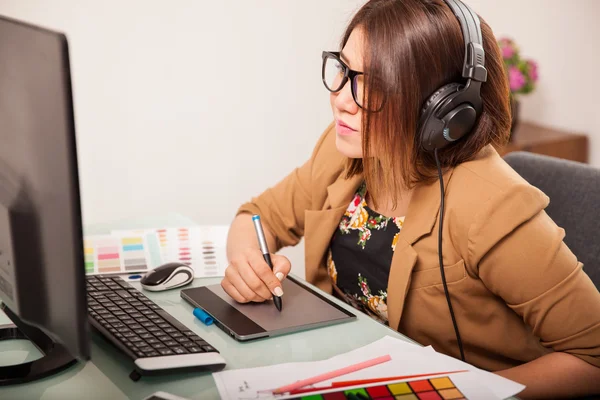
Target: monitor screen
[(42, 276)]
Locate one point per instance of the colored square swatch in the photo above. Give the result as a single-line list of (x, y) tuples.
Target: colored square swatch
[(433, 395), (449, 394), (421, 386), (407, 397), (399, 388), (334, 396), (377, 392), (442, 383), (312, 397)]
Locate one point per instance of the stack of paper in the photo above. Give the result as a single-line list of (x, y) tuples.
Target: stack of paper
[(406, 359)]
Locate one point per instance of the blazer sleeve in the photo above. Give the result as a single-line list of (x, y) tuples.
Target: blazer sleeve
[(521, 257), (282, 206)]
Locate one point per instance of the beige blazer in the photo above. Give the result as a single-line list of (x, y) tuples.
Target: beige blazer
[(517, 291)]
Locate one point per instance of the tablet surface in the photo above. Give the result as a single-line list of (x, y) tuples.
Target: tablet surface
[(303, 308)]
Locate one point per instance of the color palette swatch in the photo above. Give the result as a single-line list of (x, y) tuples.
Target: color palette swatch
[(440, 388), (106, 254), (201, 247)]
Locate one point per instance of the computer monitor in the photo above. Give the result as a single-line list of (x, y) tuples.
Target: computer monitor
[(42, 274)]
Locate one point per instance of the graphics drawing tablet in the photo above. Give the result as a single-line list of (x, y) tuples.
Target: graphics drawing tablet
[(303, 308)]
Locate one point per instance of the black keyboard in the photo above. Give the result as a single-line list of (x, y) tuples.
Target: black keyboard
[(155, 340)]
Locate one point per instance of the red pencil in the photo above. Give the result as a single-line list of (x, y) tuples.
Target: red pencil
[(342, 384), (391, 378), (332, 374)]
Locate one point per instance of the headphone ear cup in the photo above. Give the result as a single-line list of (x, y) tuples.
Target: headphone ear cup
[(430, 127), (438, 94)]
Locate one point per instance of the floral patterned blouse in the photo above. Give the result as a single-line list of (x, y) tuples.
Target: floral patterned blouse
[(360, 256)]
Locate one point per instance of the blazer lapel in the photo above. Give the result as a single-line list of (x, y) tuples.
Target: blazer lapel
[(319, 225), (419, 221)]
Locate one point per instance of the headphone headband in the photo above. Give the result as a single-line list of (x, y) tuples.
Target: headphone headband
[(474, 64), (452, 111)]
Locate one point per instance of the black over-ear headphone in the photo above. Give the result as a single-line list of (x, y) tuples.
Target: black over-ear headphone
[(452, 111)]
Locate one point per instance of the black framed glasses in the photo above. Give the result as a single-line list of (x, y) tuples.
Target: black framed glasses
[(336, 74)]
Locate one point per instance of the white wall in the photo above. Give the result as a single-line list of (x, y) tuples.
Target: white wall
[(563, 37), (194, 106)]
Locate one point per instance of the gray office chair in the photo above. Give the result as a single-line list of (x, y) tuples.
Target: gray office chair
[(574, 192)]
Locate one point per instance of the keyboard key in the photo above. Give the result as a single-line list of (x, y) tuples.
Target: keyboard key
[(188, 344), (123, 293), (135, 326), (164, 325), (165, 352), (170, 330), (134, 339), (194, 349), (158, 345), (171, 342), (140, 331), (154, 329), (185, 342), (146, 336), (179, 350), (153, 353), (208, 348), (146, 349), (152, 341)]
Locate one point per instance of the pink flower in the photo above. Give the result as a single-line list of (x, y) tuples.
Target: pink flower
[(515, 78), (507, 52), (533, 70), (508, 48)]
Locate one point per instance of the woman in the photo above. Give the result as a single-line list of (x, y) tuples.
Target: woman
[(368, 205)]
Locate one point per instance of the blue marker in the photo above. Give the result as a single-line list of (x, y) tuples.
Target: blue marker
[(203, 316), (134, 277)]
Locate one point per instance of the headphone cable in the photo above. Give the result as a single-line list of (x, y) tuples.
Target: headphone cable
[(441, 258)]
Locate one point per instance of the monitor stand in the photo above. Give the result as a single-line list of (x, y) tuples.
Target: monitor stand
[(56, 357)]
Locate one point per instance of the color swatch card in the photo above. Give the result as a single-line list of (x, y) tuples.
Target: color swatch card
[(201, 247), (433, 376), (107, 254), (433, 388)]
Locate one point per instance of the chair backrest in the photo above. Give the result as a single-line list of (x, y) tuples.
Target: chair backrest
[(574, 192)]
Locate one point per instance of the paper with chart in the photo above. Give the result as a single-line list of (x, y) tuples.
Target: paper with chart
[(108, 254), (407, 359), (201, 247)]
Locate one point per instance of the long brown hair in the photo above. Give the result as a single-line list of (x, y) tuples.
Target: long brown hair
[(413, 47)]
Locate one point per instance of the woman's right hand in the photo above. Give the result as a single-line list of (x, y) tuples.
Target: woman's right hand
[(249, 278)]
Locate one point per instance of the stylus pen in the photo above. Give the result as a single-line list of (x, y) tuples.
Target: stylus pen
[(262, 242)]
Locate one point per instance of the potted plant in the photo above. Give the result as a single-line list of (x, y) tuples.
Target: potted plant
[(522, 75)]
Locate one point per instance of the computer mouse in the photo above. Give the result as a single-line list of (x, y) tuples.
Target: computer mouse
[(167, 276)]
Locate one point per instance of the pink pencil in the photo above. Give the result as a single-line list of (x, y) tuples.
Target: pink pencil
[(332, 374)]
